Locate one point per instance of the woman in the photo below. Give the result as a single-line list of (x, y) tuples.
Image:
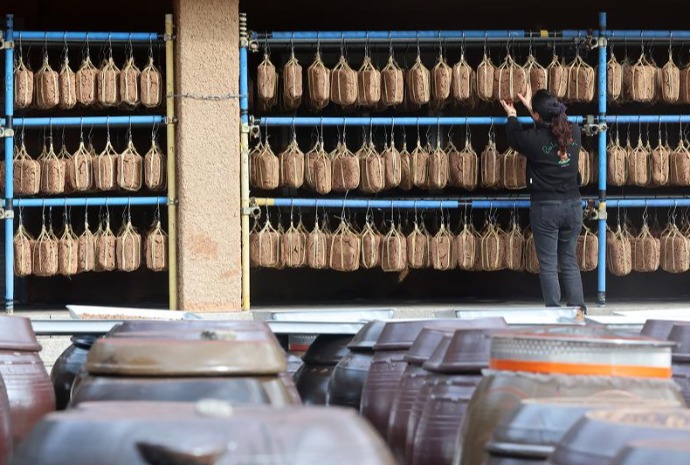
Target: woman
[(552, 147)]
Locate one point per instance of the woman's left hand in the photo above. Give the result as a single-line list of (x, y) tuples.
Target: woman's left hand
[(509, 107)]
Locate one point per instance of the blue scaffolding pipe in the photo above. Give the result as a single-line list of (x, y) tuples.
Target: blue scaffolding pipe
[(635, 119), (90, 202), (644, 35), (389, 121), (479, 204), (62, 37), (651, 203), (601, 224), (422, 36), (90, 121), (244, 87), (9, 171)]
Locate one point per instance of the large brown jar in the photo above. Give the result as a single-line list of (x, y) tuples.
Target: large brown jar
[(347, 379), (182, 328), (241, 367), (27, 383), (414, 376), (206, 433), (529, 434), (560, 362), (320, 360), (5, 425), (600, 435), (456, 368), (67, 366), (386, 371), (680, 334)]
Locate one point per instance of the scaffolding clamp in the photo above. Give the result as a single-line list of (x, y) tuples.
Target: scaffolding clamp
[(598, 41), (600, 213), (6, 214), (6, 132), (5, 43), (252, 210), (592, 127)]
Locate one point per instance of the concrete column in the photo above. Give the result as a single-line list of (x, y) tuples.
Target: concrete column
[(208, 155)]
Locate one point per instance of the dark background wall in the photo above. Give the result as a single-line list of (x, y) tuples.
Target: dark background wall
[(307, 286)]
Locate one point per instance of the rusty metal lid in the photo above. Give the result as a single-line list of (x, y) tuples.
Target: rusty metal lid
[(651, 452), (203, 433), (537, 425), (429, 337), (16, 333), (196, 354), (367, 336), (578, 350), (599, 435)]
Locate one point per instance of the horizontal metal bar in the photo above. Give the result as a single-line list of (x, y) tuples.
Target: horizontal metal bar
[(62, 37), (647, 119), (287, 37), (632, 34), (354, 203), (90, 121), (652, 203), (428, 42), (69, 327), (89, 201), (491, 204), (480, 204), (389, 121)]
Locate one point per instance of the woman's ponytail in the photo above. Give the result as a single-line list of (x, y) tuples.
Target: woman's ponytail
[(562, 130)]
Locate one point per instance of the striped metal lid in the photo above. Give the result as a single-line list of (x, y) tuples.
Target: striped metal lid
[(576, 350)]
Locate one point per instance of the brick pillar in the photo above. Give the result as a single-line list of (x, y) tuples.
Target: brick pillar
[(208, 155)]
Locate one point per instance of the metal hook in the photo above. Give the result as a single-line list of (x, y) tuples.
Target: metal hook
[(392, 140)]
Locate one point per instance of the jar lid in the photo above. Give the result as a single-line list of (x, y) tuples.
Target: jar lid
[(537, 425), (16, 333), (680, 334), (84, 341), (658, 329), (399, 335), (599, 435), (430, 336), (172, 327), (200, 353), (367, 336), (645, 452), (327, 349), (580, 350), (466, 350), (203, 433)]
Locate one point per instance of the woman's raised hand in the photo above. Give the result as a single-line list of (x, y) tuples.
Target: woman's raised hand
[(526, 98), (509, 107)]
